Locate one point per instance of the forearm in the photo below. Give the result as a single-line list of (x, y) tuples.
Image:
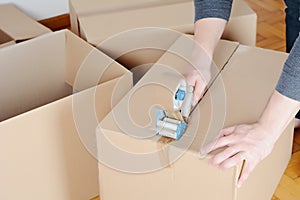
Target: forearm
[(207, 33), (277, 114), (210, 20), (211, 17), (289, 82)]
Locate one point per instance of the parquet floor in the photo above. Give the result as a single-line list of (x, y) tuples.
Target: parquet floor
[(271, 23), (271, 35)]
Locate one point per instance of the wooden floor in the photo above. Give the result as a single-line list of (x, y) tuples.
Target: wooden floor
[(271, 35), (271, 23)]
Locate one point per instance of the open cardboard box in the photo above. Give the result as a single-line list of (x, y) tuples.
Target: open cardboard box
[(93, 20), (140, 165), (241, 26), (16, 26), (43, 153)]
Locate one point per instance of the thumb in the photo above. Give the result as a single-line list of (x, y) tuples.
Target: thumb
[(198, 92)]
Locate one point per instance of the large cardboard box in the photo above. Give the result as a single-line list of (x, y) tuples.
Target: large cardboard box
[(44, 151), (103, 23), (140, 165), (16, 26), (91, 19)]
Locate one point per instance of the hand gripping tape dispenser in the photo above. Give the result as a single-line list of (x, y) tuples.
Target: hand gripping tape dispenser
[(173, 125)]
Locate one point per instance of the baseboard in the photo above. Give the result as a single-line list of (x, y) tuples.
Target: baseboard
[(57, 23)]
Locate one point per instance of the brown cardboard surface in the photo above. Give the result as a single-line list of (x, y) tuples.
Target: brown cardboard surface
[(80, 8), (178, 54), (42, 154), (18, 25), (84, 18), (242, 24), (238, 95), (44, 65), (249, 101), (140, 46), (160, 16), (163, 77), (41, 151)]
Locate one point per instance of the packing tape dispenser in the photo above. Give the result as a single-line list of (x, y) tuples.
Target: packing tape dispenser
[(173, 124)]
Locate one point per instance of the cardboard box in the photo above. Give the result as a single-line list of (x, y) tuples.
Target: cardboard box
[(241, 26), (140, 165), (16, 26), (92, 20), (44, 151)]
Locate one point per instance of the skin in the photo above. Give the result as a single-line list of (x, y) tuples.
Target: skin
[(245, 142), (199, 74)]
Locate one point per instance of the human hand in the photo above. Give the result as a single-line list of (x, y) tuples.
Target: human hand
[(249, 143), (198, 80)]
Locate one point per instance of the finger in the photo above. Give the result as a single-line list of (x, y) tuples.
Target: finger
[(224, 155), (207, 148), (198, 92), (233, 161), (247, 169), (224, 141), (191, 80), (227, 131), (213, 145)]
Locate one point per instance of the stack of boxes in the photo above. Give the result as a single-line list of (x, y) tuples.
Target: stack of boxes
[(61, 95)]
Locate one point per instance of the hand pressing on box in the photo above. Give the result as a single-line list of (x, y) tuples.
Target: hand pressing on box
[(253, 142), (249, 143)]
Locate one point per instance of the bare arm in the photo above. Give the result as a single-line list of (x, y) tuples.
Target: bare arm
[(211, 17), (208, 32)]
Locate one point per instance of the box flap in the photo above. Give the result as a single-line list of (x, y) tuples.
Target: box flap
[(178, 56), (32, 74), (241, 93), (174, 60), (87, 66), (18, 25), (161, 16), (249, 80), (226, 103)]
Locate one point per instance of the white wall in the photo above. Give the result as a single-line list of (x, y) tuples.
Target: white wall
[(41, 9)]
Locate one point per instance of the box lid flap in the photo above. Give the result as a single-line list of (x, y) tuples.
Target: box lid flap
[(150, 91), (240, 93), (18, 25)]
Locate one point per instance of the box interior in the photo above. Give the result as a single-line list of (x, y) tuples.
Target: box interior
[(47, 69)]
